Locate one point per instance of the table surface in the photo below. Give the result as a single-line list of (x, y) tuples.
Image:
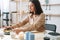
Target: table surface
[(38, 36)]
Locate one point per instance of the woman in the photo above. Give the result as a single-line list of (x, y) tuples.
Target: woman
[(35, 20)]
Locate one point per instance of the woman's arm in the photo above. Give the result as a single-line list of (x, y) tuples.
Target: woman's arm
[(20, 24), (25, 28), (38, 24)]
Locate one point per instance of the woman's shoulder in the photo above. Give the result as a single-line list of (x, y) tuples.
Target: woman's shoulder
[(42, 14)]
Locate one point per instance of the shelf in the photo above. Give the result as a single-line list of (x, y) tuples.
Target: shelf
[(51, 5), (57, 15), (25, 0), (20, 0), (7, 19), (15, 0)]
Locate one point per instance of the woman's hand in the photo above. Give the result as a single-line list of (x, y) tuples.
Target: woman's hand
[(17, 30), (7, 27), (11, 27)]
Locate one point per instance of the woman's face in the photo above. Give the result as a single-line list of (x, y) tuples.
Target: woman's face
[(31, 7)]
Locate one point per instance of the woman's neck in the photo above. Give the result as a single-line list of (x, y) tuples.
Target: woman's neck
[(34, 15)]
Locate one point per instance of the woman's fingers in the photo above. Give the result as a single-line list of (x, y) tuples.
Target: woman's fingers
[(17, 30), (6, 27)]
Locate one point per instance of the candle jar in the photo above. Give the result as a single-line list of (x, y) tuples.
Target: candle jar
[(21, 35)]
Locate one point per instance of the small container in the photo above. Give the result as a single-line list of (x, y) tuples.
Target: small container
[(7, 31), (13, 34), (29, 36), (21, 35), (1, 33)]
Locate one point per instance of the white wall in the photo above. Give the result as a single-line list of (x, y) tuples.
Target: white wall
[(50, 1), (12, 6), (54, 10), (4, 4), (21, 6)]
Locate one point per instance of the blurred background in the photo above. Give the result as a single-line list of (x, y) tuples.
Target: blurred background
[(11, 11)]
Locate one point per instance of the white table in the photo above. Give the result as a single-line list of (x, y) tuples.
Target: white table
[(7, 37), (38, 36)]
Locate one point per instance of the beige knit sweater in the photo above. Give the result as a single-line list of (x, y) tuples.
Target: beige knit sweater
[(38, 24)]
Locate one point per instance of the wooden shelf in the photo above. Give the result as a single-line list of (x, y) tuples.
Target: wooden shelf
[(51, 5), (57, 15), (15, 0), (21, 0), (25, 0)]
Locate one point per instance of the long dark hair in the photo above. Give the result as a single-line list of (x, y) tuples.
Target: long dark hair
[(37, 6)]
